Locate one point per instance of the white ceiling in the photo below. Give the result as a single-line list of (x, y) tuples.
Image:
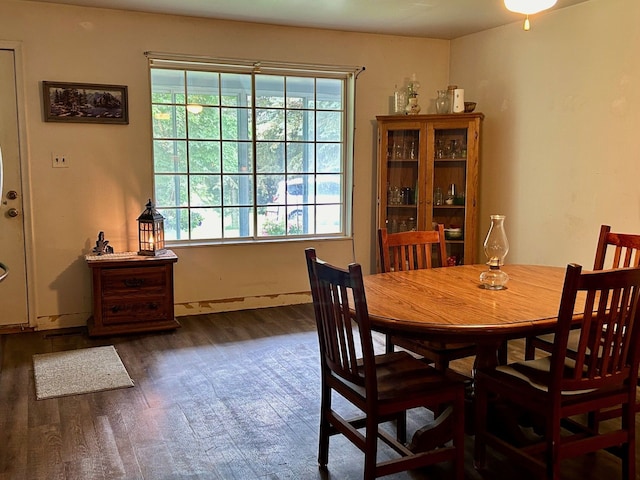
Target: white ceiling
[(444, 19)]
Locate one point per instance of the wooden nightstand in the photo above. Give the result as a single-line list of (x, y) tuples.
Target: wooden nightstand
[(131, 293)]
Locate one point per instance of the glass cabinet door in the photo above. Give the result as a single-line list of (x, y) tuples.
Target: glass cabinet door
[(450, 186), (400, 175)]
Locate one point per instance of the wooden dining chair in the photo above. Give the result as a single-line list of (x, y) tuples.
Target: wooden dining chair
[(412, 250), (556, 390), (416, 250), (382, 386), (614, 250)]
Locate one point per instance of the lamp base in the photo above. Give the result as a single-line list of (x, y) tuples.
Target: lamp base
[(494, 279)]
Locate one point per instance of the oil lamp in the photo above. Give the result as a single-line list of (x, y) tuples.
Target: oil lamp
[(496, 247)]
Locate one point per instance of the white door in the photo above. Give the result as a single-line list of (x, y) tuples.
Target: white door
[(13, 288)]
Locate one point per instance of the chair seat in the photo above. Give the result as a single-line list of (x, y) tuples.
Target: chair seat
[(401, 375), (545, 342), (441, 353), (536, 373), (435, 351)]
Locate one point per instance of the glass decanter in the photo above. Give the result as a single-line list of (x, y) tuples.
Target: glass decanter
[(442, 102), (496, 247)]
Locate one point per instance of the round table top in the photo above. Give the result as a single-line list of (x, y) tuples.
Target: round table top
[(450, 302)]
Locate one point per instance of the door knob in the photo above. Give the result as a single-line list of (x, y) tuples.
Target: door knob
[(12, 194), (13, 212)]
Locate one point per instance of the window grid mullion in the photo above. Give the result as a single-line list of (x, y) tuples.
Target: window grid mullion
[(187, 153), (254, 156)]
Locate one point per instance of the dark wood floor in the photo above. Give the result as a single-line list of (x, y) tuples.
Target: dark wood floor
[(227, 396)]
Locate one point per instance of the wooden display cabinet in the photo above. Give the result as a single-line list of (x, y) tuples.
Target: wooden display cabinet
[(132, 293), (418, 154)]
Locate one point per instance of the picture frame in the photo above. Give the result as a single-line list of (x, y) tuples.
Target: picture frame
[(85, 103)]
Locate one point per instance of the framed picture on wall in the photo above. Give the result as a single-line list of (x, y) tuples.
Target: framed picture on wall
[(85, 103)]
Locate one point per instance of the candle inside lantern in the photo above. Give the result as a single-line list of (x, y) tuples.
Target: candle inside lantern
[(151, 242)]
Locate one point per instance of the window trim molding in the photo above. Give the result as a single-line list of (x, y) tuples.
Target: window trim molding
[(174, 60)]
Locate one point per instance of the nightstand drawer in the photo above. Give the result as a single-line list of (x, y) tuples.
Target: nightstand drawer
[(133, 281), (152, 308)]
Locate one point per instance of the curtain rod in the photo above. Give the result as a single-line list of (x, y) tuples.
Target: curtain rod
[(255, 64)]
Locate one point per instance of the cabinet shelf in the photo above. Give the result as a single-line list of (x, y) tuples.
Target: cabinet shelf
[(449, 160), (401, 162)]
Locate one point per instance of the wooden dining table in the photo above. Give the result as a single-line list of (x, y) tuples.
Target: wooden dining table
[(450, 305)]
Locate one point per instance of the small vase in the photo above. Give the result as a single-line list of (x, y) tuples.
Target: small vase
[(400, 101), (442, 102), (413, 108)]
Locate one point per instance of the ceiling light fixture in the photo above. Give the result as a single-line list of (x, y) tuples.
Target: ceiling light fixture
[(528, 7), (194, 108)]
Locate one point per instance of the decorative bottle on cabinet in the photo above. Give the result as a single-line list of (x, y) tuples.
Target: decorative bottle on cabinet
[(442, 102), (445, 153)]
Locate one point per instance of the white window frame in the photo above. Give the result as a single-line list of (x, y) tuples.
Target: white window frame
[(313, 179)]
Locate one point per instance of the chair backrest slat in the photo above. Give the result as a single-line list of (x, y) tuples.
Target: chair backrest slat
[(344, 330), (411, 250), (607, 349)]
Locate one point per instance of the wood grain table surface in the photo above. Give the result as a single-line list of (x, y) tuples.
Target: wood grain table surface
[(449, 304)]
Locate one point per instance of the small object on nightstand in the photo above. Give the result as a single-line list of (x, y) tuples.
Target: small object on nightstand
[(102, 245)]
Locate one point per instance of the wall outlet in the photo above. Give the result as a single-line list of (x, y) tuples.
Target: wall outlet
[(59, 160)]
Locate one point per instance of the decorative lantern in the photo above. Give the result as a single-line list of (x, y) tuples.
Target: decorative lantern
[(150, 231)]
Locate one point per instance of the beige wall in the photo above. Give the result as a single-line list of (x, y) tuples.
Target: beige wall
[(560, 146), (109, 178)]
